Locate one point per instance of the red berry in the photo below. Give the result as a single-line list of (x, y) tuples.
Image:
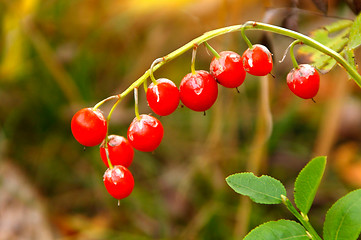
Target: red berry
[(119, 149), (163, 97), (198, 91), (145, 134), (118, 181), (257, 60), (304, 81), (89, 127), (228, 69)]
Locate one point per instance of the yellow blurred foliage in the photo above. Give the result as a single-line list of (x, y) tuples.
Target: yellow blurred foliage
[(144, 6), (12, 62)]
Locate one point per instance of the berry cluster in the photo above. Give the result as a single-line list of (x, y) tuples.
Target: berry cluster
[(198, 91)]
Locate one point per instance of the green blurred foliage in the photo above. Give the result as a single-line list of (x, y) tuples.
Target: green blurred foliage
[(59, 56)]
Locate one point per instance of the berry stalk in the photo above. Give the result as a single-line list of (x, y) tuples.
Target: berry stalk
[(250, 25), (308, 41), (292, 54), (194, 53), (213, 51), (302, 218)]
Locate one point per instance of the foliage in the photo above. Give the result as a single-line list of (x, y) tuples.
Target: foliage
[(57, 56), (343, 36), (342, 220)]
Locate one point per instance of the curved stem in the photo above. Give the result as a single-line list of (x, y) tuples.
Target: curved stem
[(213, 51), (106, 140), (158, 60), (136, 108), (292, 54), (251, 25), (302, 218), (104, 100), (310, 42), (112, 109), (145, 86), (107, 154), (245, 38), (194, 53)]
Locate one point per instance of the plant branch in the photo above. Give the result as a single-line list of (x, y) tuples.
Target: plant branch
[(250, 25), (308, 41), (303, 220)]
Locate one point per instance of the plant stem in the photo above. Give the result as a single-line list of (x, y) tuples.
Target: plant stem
[(214, 52), (300, 218), (308, 41), (112, 109), (107, 154), (248, 26), (145, 86), (194, 53), (245, 38), (106, 140), (292, 54), (158, 60), (105, 100), (136, 108)]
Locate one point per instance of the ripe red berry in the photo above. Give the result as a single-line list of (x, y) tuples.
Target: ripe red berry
[(119, 149), (163, 97), (257, 60), (118, 181), (304, 81), (145, 134), (198, 91), (89, 127), (228, 69)]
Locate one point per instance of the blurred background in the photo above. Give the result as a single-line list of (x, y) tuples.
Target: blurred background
[(57, 57)]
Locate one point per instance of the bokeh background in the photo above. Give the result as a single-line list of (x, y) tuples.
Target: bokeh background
[(59, 56)]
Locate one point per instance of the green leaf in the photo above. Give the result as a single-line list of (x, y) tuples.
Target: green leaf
[(350, 57), (355, 33), (337, 42), (354, 41), (278, 230), (343, 220), (264, 189), (307, 183)]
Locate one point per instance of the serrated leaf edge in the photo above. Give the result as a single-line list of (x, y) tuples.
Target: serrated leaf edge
[(323, 230), (243, 173), (283, 220), (297, 179)]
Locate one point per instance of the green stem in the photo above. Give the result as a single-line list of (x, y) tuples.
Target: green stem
[(194, 53), (108, 120), (292, 54), (104, 100), (303, 220), (214, 52), (145, 86), (308, 41), (158, 60), (248, 26), (114, 106), (245, 38), (107, 154), (136, 108)]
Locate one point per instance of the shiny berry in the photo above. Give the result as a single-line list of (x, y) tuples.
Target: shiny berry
[(304, 81), (257, 60), (118, 181), (145, 134), (89, 127), (163, 97), (119, 149), (198, 91), (228, 69)]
